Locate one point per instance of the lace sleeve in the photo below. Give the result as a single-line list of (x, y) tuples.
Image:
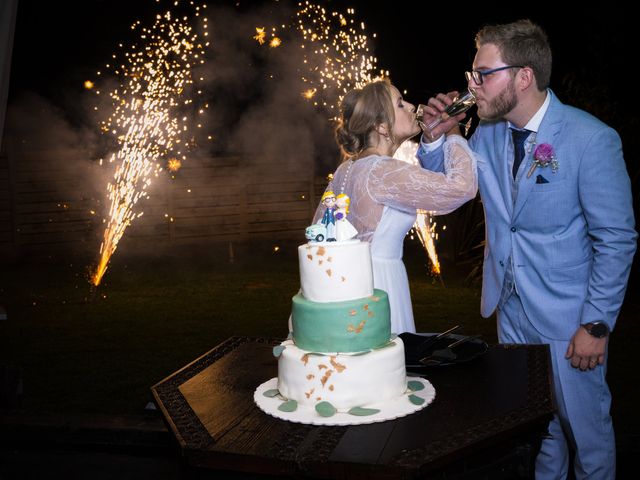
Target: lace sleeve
[(409, 187)]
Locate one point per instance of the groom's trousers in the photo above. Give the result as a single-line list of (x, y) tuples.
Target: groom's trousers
[(582, 421)]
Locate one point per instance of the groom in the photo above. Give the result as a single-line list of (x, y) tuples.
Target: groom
[(560, 233)]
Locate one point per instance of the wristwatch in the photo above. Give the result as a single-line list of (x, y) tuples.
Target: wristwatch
[(596, 329)]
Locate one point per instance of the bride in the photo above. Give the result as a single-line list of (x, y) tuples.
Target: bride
[(384, 193)]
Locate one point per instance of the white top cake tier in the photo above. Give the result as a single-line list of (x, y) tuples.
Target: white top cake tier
[(335, 271)]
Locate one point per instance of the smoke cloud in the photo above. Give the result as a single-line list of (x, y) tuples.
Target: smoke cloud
[(255, 109)]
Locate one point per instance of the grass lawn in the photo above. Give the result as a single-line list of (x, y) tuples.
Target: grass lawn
[(100, 351)]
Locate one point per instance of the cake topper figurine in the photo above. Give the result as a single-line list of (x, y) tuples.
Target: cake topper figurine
[(344, 229), (328, 219)]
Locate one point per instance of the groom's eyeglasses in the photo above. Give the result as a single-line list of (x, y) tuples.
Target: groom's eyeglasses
[(478, 75)]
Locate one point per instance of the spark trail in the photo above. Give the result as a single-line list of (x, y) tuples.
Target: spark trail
[(150, 113)]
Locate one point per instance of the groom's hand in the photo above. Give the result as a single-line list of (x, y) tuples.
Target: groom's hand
[(435, 108), (585, 351)]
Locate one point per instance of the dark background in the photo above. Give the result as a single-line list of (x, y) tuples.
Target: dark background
[(426, 46)]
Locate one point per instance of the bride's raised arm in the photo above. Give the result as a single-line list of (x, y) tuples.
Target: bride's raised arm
[(410, 187)]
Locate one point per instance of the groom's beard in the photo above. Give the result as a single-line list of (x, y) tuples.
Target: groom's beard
[(501, 105)]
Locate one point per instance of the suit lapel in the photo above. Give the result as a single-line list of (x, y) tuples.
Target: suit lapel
[(547, 133)]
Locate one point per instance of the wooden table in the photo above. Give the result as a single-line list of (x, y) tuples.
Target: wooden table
[(488, 415)]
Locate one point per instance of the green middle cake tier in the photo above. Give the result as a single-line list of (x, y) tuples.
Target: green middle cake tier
[(349, 326)]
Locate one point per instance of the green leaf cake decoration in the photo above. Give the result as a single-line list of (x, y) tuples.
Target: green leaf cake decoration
[(325, 409), (274, 392), (416, 400), (415, 386), (288, 406), (363, 412)]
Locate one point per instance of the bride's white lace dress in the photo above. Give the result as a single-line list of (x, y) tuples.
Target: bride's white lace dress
[(385, 194)]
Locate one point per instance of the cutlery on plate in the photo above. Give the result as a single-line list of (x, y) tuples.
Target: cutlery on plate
[(447, 353), (434, 338)]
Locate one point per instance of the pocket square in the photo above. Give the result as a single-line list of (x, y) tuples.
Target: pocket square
[(541, 179)]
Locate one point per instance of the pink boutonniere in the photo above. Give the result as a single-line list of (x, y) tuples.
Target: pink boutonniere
[(543, 156)]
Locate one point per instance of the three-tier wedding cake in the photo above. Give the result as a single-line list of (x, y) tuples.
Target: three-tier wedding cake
[(341, 364)]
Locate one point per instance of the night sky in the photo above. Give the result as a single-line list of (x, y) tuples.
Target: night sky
[(426, 46)]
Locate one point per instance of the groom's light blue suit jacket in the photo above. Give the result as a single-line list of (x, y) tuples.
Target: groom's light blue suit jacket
[(572, 239)]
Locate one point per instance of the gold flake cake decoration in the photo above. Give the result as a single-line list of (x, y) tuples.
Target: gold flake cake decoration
[(338, 366), (358, 329)]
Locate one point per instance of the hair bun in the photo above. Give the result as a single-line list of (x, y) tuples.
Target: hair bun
[(347, 141), (361, 111)]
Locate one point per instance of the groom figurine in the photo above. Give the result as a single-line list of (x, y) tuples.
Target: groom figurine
[(329, 219), (560, 234)]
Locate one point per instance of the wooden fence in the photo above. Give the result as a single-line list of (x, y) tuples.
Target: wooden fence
[(48, 202)]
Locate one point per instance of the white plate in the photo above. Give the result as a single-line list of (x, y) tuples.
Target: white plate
[(389, 410)]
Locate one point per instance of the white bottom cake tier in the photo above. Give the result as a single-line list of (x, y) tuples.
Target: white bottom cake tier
[(342, 388), (345, 380)]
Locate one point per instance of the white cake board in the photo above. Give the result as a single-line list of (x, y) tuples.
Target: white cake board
[(389, 410)]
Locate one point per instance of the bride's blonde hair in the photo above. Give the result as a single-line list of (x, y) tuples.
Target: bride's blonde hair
[(362, 111), (347, 201)]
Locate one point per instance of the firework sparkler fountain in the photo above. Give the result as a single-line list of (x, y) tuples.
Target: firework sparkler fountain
[(338, 59), (148, 117)]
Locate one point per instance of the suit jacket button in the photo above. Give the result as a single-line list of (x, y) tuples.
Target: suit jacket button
[(513, 229), (501, 263)]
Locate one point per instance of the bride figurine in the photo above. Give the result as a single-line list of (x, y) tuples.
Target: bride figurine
[(344, 229)]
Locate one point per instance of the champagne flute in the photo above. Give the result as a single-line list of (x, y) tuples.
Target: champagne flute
[(460, 104)]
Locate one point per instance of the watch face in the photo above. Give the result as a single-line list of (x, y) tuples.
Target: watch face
[(599, 330)]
